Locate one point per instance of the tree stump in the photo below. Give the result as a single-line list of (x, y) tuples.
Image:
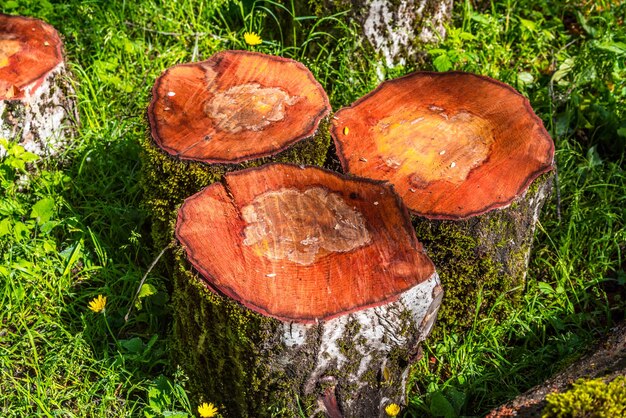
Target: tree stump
[(237, 109), (313, 294), (36, 97), (471, 161), (395, 29)]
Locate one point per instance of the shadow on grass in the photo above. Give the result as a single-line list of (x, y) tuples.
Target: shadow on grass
[(108, 223), (575, 294)]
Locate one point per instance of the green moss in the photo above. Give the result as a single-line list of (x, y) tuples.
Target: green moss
[(323, 8), (370, 377), (481, 259), (589, 399), (348, 347), (168, 181), (213, 334), (465, 272)]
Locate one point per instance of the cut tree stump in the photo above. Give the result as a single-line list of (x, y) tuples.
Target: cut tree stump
[(313, 293), (471, 161), (37, 108), (237, 109)]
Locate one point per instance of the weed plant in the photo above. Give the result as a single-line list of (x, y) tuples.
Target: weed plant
[(72, 231)]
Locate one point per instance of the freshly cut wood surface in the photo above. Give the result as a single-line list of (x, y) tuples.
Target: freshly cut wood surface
[(454, 145), (29, 50), (302, 244), (234, 107)]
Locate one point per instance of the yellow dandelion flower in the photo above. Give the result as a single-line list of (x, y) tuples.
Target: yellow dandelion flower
[(392, 409), (252, 38), (98, 304), (207, 410)]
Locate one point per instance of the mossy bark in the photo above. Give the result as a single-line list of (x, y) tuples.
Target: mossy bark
[(483, 258), (168, 181), (44, 122), (255, 366), (397, 30)]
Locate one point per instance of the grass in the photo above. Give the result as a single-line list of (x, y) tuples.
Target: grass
[(72, 232)]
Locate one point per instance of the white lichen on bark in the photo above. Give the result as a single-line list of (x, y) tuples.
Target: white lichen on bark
[(374, 333), (395, 27), (535, 204), (43, 120)]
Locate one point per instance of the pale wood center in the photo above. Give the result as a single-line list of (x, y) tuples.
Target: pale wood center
[(248, 106), (429, 144), (8, 48), (288, 224)]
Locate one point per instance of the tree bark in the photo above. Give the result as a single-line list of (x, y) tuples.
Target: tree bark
[(471, 161), (397, 29), (37, 107), (483, 258), (313, 294)]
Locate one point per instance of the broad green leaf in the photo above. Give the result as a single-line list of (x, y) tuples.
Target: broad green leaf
[(29, 157), (133, 345), (49, 246), (20, 231), (146, 290), (43, 210), (72, 254), (154, 400), (585, 25), (442, 63), (545, 288), (440, 406), (563, 121), (616, 47), (564, 69), (19, 293), (593, 157), (175, 414), (525, 77), (480, 18), (466, 36), (5, 227), (46, 227), (528, 24), (9, 5), (456, 398)]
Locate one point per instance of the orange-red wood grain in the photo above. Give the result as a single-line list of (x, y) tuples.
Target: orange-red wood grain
[(183, 96), (454, 145), (211, 228), (29, 50)]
